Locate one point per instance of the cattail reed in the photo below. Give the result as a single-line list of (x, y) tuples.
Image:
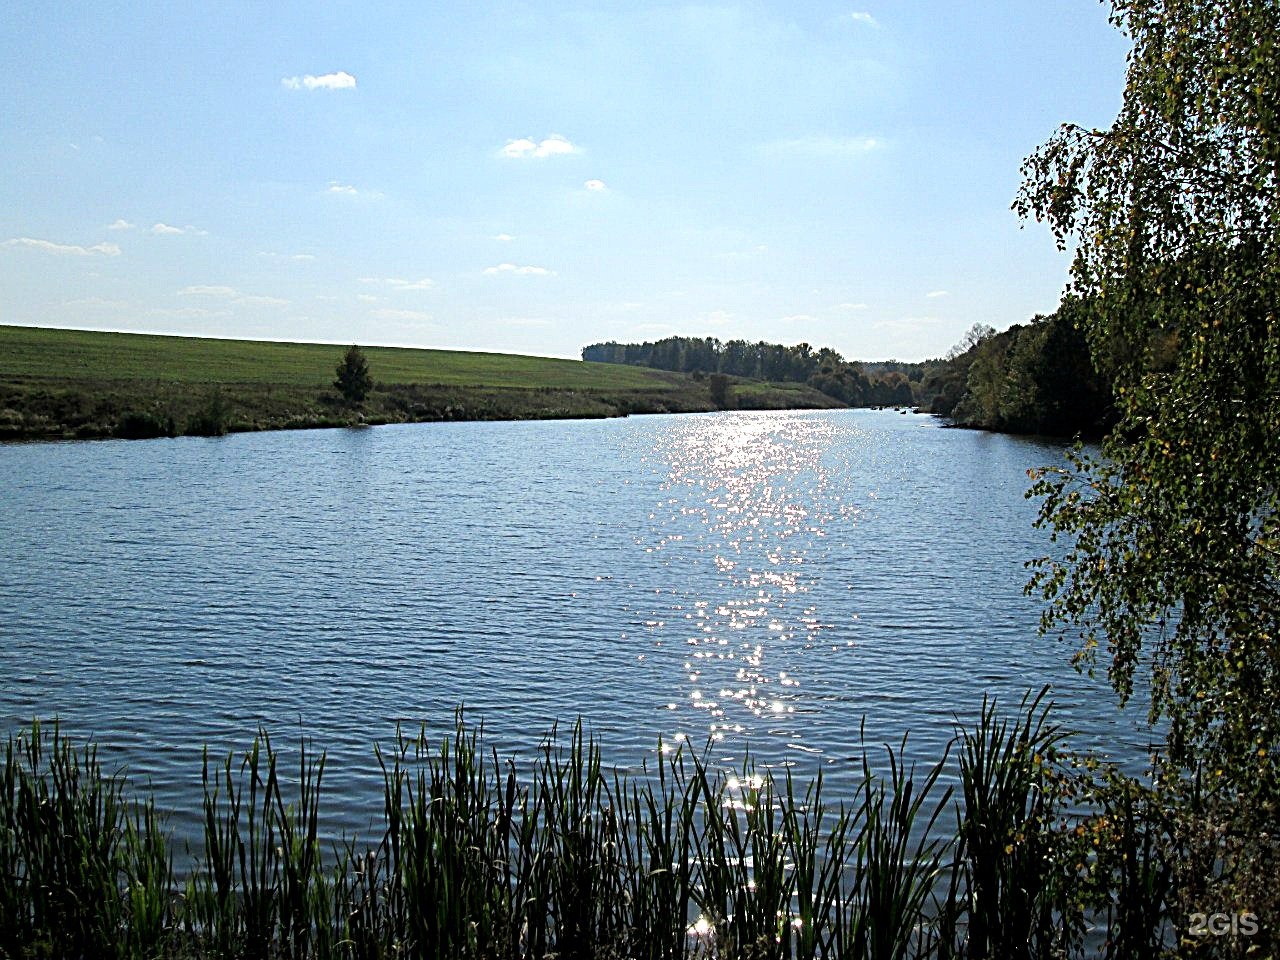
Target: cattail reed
[(562, 857)]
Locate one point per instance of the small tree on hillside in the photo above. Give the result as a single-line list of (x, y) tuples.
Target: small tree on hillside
[(354, 382), (720, 390)]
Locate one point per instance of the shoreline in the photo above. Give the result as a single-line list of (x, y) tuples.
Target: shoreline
[(84, 385)]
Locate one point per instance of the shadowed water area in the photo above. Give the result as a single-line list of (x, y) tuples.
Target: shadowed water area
[(757, 578)]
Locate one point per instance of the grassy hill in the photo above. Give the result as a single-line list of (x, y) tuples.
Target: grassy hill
[(75, 383)]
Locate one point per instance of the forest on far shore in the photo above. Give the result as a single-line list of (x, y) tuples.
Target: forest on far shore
[(1039, 377)]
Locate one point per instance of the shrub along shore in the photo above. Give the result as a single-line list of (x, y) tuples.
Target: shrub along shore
[(561, 857), (61, 384)]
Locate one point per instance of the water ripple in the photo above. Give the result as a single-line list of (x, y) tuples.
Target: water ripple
[(758, 579)]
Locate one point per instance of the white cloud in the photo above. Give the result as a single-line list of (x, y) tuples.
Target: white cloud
[(186, 313), (553, 146), (368, 298), (525, 321), (852, 306), (935, 294), (206, 290), (64, 249), (165, 230), (504, 237), (519, 271), (798, 318), (415, 316), (120, 225), (908, 324), (861, 16), (294, 257), (347, 190), (824, 148), (220, 292), (97, 302), (426, 283), (596, 185), (327, 81)]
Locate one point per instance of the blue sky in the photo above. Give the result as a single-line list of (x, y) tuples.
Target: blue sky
[(532, 177)]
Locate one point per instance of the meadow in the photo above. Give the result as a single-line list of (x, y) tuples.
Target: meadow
[(58, 384)]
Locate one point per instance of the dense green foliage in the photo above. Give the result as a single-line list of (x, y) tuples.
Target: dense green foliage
[(852, 384), (353, 380), (1172, 572), (1176, 214), (564, 858), (1037, 378), (1034, 378)]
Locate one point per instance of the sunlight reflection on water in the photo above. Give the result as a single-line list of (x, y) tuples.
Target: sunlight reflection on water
[(764, 579)]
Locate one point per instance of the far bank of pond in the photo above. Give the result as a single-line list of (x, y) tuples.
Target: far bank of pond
[(65, 384)]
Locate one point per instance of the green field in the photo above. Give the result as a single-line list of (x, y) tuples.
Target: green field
[(76, 383)]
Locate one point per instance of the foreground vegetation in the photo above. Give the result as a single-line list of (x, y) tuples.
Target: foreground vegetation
[(73, 383), (564, 858)]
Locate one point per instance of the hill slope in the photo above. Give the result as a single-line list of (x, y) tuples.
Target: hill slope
[(75, 383)]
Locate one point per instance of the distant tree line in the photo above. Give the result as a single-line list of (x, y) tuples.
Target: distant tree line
[(850, 382), (1038, 377)]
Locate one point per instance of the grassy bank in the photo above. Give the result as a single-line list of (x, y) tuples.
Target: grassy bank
[(71, 383), (560, 857)]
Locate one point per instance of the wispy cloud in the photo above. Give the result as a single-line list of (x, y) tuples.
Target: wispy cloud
[(852, 306), (823, 148), (64, 249), (165, 230), (798, 318), (595, 185), (426, 283), (326, 81), (750, 254), (186, 313), (908, 324), (413, 316), (97, 302), (525, 321), (208, 290), (120, 225), (861, 16), (504, 237), (935, 294), (519, 271), (220, 292), (337, 188), (293, 257), (526, 148)]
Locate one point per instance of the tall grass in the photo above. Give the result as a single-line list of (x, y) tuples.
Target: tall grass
[(558, 858)]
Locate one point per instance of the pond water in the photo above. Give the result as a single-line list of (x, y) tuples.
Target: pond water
[(761, 579)]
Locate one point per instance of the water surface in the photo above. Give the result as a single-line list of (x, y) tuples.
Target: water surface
[(768, 579)]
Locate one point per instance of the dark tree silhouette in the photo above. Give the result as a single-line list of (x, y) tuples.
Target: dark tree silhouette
[(354, 382)]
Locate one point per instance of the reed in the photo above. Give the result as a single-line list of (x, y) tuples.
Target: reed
[(560, 857)]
